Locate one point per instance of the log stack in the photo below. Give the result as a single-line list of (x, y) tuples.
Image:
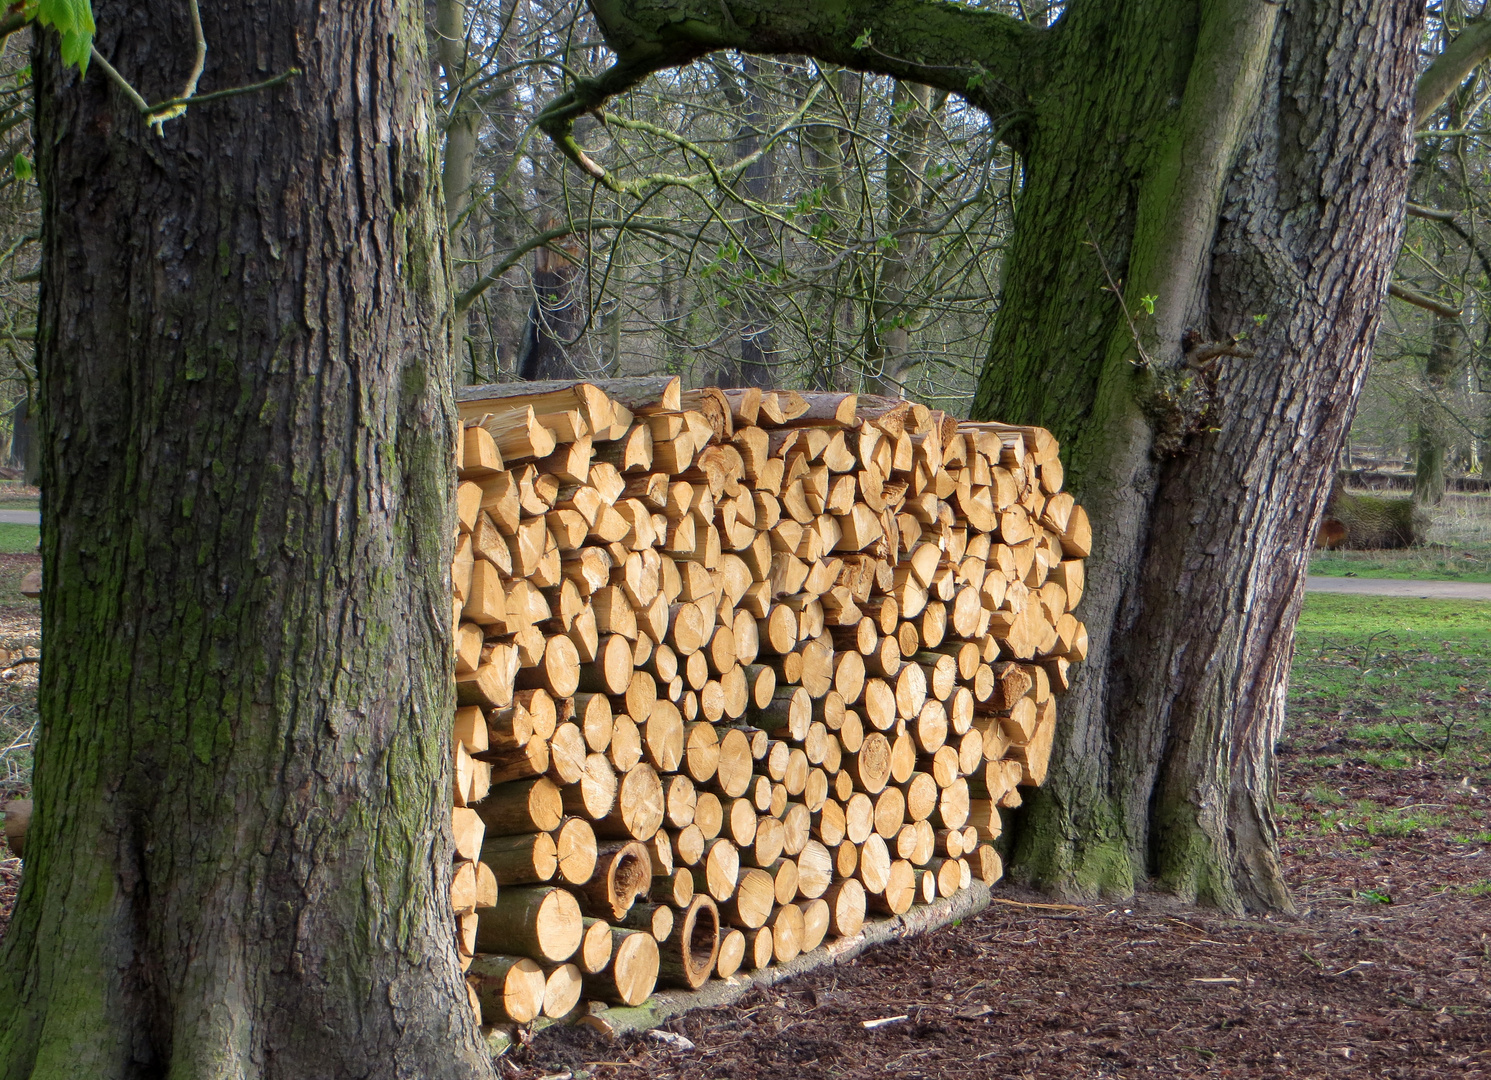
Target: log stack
[(736, 669)]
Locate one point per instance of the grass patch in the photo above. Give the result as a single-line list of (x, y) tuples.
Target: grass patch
[(1395, 680), (1413, 564), (21, 539), (1392, 822)]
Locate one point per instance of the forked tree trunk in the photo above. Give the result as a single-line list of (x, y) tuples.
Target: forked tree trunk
[(1168, 771), (238, 865)]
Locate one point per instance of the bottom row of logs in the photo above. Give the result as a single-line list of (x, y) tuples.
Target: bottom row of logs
[(671, 936)]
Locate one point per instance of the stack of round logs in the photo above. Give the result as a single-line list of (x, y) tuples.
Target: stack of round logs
[(735, 669)]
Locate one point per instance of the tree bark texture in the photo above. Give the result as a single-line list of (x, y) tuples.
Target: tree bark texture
[(1446, 341), (1211, 206), (1204, 557), (239, 862)]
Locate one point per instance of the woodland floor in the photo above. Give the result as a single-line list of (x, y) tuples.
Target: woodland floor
[(1384, 971)]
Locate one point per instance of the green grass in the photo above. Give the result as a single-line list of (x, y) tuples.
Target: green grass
[(1391, 682), (18, 538), (1415, 564), (1398, 823)]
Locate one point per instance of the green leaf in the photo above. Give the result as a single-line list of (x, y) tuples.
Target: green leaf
[(77, 46), (21, 166), (67, 16), (73, 19)]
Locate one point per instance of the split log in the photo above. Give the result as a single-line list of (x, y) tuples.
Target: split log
[(732, 953), (523, 859), (633, 972), (575, 851)]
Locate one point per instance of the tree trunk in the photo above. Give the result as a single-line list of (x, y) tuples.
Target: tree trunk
[(758, 358), (239, 861), (1167, 769), (557, 316), (888, 355), (1433, 441), (458, 161)]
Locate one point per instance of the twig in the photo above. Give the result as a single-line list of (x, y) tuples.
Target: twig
[(1122, 303), (22, 660), (267, 84), (1428, 303), (156, 115), (1041, 907)]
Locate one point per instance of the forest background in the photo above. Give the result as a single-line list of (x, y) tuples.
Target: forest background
[(795, 224)]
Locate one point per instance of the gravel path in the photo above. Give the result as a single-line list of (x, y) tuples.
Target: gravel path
[(1423, 590)]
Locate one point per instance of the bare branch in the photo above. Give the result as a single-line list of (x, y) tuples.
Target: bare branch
[(1428, 303), (1450, 68)]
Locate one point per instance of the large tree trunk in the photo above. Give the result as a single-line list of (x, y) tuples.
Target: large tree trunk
[(1167, 770), (238, 865)]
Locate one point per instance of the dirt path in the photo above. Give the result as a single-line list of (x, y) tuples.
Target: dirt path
[(1422, 590)]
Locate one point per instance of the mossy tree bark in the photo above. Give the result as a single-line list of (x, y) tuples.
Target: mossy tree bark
[(238, 865), (1240, 168)]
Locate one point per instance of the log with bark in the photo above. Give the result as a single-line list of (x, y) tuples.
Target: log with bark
[(735, 669)]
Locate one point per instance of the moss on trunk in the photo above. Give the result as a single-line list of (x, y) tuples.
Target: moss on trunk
[(239, 861)]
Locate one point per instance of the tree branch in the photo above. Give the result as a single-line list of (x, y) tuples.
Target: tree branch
[(989, 58), (984, 55), (1428, 303), (1449, 220), (1450, 68)]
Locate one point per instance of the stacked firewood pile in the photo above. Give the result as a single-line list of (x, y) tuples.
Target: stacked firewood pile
[(735, 669)]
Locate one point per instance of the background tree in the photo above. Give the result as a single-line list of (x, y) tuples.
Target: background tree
[(1425, 401)]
